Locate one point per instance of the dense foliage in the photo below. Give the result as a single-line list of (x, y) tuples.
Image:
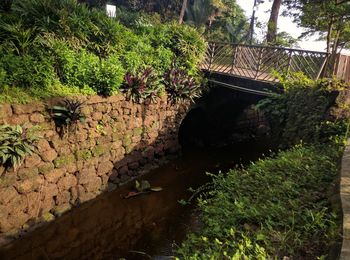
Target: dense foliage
[(70, 48), (276, 207), (16, 143), (301, 112)]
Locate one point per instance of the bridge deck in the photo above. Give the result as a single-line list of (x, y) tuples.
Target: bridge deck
[(262, 62)]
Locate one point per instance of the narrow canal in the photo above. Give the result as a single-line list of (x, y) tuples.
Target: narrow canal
[(148, 226)]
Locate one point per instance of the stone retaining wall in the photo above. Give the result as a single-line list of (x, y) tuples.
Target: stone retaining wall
[(117, 139)]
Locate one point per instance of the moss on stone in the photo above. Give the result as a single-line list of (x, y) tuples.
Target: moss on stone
[(138, 131), (118, 127), (64, 160), (128, 149), (83, 155), (127, 140), (100, 149), (47, 217), (155, 125), (46, 168), (7, 180), (28, 174)]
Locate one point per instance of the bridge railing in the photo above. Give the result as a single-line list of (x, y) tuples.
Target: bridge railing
[(258, 62)]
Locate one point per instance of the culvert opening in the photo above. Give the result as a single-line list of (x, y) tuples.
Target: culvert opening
[(222, 117)]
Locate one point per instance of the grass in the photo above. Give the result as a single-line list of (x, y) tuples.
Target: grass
[(276, 207), (17, 95)]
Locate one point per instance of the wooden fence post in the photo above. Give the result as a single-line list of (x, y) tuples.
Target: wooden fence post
[(211, 55), (289, 62), (259, 62), (234, 57)]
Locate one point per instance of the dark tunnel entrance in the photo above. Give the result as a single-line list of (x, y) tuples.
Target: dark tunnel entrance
[(222, 117)]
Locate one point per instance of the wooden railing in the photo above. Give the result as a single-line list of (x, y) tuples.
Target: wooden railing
[(259, 62)]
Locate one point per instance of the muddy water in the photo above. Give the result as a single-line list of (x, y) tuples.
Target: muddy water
[(142, 227)]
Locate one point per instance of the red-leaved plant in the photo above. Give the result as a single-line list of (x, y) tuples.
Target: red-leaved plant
[(141, 86), (180, 86)]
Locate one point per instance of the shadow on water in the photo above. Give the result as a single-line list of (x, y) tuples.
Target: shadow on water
[(111, 227)]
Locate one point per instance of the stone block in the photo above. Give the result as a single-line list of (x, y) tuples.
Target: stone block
[(45, 168), (33, 200), (101, 149), (5, 111), (94, 185), (95, 99), (86, 175), (5, 224), (63, 198), (134, 165), (47, 204), (84, 197), (123, 170), (19, 119), (63, 160), (29, 185), (67, 182), (96, 116), (43, 145), (8, 179), (29, 108), (104, 168), (27, 173), (49, 155), (54, 175), (61, 209), (17, 205), (50, 190), (37, 118), (32, 161), (7, 194)]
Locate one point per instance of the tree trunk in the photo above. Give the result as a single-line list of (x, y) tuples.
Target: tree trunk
[(329, 35), (183, 10), (272, 25)]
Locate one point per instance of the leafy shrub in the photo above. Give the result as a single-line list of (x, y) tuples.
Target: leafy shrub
[(298, 113), (278, 206), (16, 143), (27, 71), (141, 86), (184, 41), (108, 77), (180, 86), (86, 69)]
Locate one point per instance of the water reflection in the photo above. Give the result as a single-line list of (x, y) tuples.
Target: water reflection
[(111, 227)]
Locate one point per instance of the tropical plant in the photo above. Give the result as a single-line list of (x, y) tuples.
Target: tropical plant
[(16, 142), (141, 86), (180, 86), (67, 115)]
